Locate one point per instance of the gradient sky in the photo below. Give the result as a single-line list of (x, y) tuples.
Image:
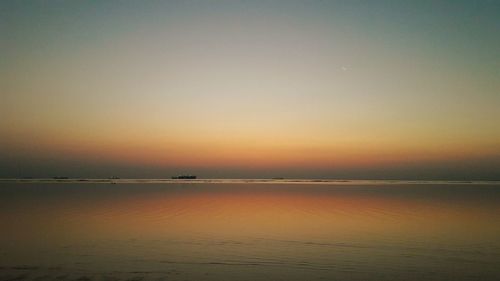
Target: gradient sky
[(329, 89)]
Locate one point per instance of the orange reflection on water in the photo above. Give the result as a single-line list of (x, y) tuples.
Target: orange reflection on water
[(319, 230), (280, 213)]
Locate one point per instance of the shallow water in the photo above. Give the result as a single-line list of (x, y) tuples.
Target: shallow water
[(223, 230)]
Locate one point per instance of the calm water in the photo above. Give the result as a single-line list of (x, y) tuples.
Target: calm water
[(249, 231)]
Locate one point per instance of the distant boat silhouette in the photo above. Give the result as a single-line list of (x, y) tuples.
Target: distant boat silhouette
[(184, 177)]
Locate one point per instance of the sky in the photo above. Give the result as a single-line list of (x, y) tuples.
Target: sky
[(250, 89)]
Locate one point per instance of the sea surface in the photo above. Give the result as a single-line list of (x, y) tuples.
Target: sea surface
[(289, 230)]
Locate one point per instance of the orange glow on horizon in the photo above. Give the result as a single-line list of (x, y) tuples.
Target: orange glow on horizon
[(246, 152)]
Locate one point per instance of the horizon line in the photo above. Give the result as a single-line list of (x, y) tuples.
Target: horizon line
[(244, 180)]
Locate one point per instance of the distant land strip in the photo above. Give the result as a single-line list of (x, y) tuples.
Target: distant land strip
[(241, 181)]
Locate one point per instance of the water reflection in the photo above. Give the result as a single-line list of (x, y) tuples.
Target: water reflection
[(250, 231)]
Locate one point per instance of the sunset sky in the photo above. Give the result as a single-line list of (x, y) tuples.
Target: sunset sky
[(243, 89)]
